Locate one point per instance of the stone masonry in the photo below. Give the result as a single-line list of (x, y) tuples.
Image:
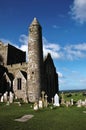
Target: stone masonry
[(35, 61), (28, 79)]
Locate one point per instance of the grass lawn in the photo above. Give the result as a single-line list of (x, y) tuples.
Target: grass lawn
[(62, 118), (74, 95)]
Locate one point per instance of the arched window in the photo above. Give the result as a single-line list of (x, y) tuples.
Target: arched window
[(19, 83)]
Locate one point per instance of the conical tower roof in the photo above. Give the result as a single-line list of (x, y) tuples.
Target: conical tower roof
[(35, 22)]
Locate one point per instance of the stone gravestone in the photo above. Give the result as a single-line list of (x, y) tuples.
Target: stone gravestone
[(25, 99), (43, 93), (68, 103), (79, 103), (5, 96), (85, 102), (2, 99), (56, 100), (62, 99), (71, 102), (11, 96), (40, 103), (45, 101), (35, 106)]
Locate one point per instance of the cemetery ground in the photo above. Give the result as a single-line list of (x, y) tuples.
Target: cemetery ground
[(57, 118)]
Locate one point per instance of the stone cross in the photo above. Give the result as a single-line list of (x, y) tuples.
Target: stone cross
[(45, 101), (62, 98), (43, 92)]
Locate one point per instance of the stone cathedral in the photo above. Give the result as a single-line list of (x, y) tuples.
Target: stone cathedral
[(28, 79)]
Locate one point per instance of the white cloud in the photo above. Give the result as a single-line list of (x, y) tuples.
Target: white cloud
[(47, 49), (54, 54), (60, 75), (67, 52), (52, 48), (78, 11), (23, 39), (55, 26), (6, 41), (81, 47), (72, 52), (83, 81), (24, 48)]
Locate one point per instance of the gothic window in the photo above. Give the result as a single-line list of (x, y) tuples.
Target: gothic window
[(19, 83)]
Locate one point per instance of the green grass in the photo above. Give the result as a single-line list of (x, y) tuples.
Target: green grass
[(74, 95), (62, 118)]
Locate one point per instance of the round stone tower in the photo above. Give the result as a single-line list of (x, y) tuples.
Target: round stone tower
[(35, 61)]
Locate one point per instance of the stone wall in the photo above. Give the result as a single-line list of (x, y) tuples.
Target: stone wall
[(40, 76), (22, 93), (11, 55), (35, 63), (50, 78), (3, 53), (14, 68)]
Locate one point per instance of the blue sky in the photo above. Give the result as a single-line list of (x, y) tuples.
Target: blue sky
[(64, 33)]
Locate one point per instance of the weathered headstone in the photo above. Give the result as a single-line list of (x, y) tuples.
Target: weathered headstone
[(85, 102), (56, 100), (45, 101), (5, 96), (71, 102), (40, 103), (2, 99), (67, 103), (79, 103), (62, 99), (16, 97), (43, 96), (25, 99), (11, 96), (35, 106)]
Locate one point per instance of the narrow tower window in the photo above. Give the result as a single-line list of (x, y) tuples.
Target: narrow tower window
[(19, 83), (32, 72)]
